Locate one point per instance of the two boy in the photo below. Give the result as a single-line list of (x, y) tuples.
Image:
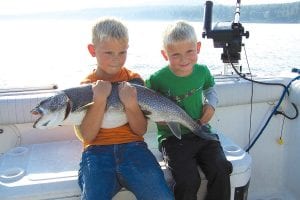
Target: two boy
[(116, 158)]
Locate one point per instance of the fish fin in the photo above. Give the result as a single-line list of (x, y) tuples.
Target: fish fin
[(137, 81), (146, 113), (205, 133), (68, 109), (175, 128)]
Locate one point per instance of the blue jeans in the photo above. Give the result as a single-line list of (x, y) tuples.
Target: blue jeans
[(104, 170)]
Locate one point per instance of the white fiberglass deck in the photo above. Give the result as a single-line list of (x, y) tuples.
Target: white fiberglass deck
[(274, 166)]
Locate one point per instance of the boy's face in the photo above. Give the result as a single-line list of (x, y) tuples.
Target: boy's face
[(182, 56), (110, 54)]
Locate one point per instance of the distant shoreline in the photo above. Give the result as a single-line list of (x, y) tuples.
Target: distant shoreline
[(265, 13)]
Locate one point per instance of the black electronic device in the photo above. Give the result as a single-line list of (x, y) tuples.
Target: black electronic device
[(226, 35)]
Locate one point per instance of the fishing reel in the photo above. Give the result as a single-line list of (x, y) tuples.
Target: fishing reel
[(226, 35)]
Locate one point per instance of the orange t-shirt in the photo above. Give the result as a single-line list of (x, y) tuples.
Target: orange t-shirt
[(119, 135)]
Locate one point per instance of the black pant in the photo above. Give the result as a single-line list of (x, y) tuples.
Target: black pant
[(183, 156)]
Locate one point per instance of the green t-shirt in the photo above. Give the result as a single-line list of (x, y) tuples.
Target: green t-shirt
[(188, 91)]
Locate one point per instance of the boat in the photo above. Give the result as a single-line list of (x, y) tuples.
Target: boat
[(43, 164), (256, 120)]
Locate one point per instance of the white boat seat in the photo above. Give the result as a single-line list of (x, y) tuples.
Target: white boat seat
[(50, 170)]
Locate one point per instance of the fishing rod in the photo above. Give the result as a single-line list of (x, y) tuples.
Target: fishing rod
[(226, 35)]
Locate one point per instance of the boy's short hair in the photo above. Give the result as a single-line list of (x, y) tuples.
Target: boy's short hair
[(179, 31), (109, 28)]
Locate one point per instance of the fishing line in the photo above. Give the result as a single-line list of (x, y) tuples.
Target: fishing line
[(251, 98), (281, 131), (253, 81), (274, 112), (229, 37)]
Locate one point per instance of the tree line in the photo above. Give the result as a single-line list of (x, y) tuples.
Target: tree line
[(265, 13)]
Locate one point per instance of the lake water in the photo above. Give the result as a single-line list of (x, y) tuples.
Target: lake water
[(40, 52)]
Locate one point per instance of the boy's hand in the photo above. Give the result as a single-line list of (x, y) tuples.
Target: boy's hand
[(127, 94), (208, 112), (101, 91)]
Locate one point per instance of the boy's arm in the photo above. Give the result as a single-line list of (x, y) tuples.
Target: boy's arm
[(92, 121), (136, 118), (207, 114), (210, 104), (211, 97)]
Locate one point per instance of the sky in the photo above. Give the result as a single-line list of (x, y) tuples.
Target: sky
[(33, 6)]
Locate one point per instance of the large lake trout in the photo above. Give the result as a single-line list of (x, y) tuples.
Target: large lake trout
[(69, 106)]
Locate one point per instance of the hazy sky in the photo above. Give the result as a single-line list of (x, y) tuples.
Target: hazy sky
[(31, 6)]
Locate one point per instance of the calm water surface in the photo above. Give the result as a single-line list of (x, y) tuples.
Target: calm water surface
[(42, 52)]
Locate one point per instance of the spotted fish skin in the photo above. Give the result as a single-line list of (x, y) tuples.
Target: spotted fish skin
[(69, 106)]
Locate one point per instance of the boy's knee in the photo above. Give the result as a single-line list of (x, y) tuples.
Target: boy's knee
[(188, 181), (221, 171), (223, 166)]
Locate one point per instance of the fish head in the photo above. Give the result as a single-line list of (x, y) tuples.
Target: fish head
[(53, 111)]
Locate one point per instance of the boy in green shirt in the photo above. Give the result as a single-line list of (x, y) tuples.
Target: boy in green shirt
[(185, 81)]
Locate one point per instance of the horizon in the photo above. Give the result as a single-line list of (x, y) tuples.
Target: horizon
[(14, 7)]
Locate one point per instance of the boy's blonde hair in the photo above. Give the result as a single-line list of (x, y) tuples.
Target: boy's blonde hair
[(109, 28), (179, 31)]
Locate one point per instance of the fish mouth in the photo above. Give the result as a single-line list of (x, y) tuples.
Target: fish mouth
[(40, 112), (37, 111)]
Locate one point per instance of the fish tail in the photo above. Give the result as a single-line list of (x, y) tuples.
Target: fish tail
[(205, 133)]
